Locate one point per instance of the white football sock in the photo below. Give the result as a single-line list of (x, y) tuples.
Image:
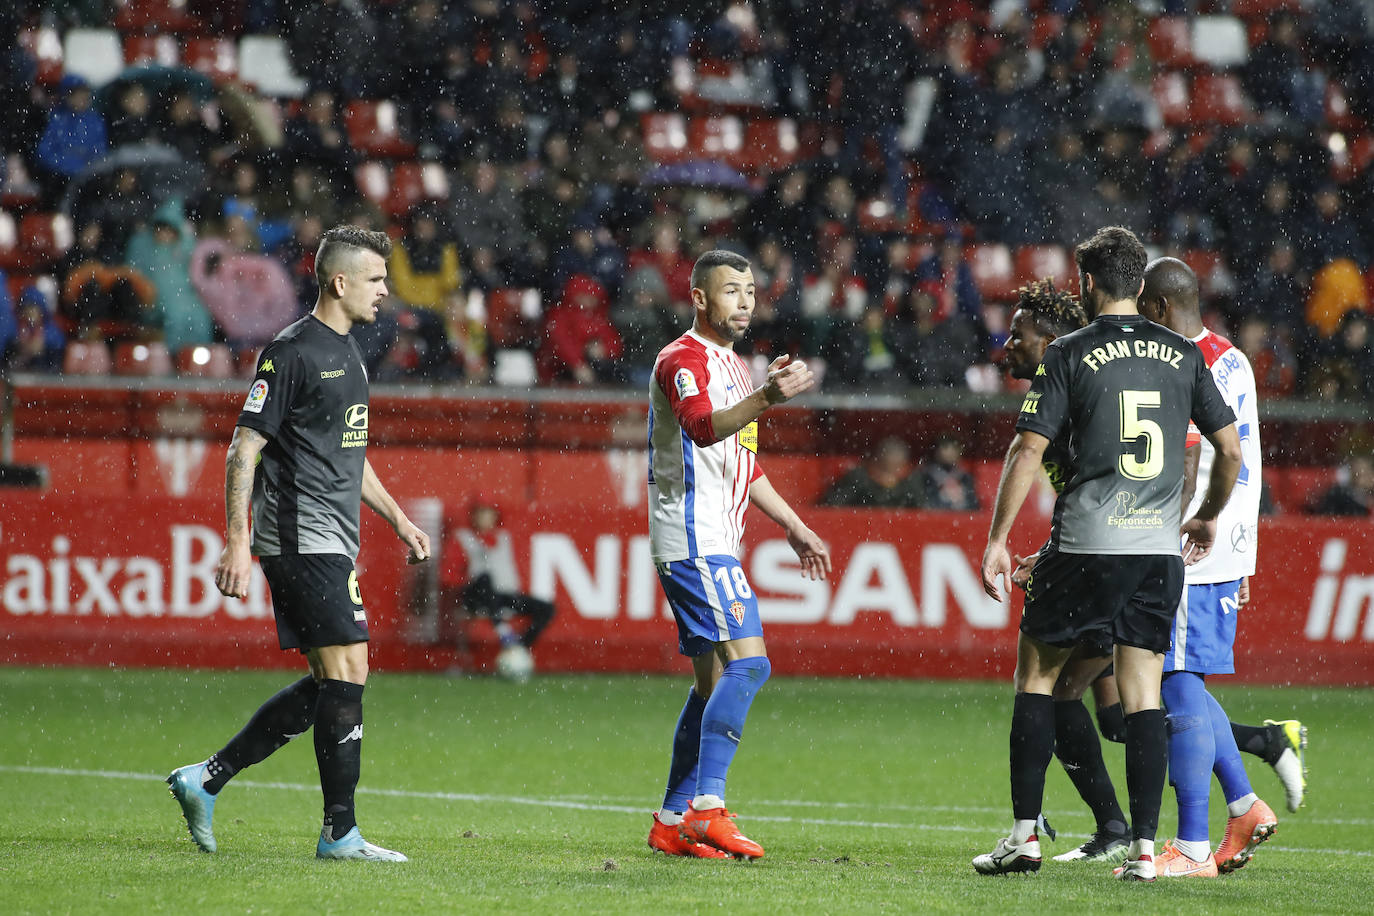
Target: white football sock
[(1021, 831), (669, 818), (1197, 850), (707, 802), (1141, 848), (1241, 805)]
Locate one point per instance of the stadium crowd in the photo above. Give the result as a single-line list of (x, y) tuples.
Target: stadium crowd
[(550, 171)]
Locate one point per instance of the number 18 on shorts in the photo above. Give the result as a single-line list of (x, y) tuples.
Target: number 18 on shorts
[(711, 601)]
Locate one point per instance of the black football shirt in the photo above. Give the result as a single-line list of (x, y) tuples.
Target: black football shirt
[(309, 398), (1122, 389)]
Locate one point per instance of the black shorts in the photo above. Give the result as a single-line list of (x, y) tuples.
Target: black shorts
[(316, 600), (1100, 600)]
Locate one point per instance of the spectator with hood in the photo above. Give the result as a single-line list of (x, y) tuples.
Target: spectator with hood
[(580, 343), (162, 253), (75, 137)]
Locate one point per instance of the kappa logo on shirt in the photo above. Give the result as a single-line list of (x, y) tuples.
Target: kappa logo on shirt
[(257, 397), (685, 383), (268, 367)]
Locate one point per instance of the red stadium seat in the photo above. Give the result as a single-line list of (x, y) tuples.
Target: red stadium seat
[(150, 49), (373, 130), (206, 361), (1209, 266), (770, 144), (1044, 28), (414, 182), (246, 362), (142, 359), (876, 214), (1264, 8), (719, 137), (665, 135), (86, 357), (1219, 99), (1171, 41), (44, 45), (1220, 41), (9, 242), (993, 271), (1036, 262), (506, 324), (154, 16), (217, 58), (1170, 91), (43, 238)]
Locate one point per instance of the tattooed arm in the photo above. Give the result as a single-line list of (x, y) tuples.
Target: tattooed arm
[(235, 563)]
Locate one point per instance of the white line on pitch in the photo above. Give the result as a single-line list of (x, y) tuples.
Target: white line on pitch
[(577, 805)]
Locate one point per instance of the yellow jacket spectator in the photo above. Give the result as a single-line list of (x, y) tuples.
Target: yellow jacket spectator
[(424, 269), (1336, 289)]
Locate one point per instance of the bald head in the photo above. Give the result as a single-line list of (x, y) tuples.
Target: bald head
[(1170, 296)]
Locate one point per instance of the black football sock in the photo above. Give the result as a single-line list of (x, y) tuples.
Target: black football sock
[(1111, 720), (1032, 746), (1147, 753), (1259, 740), (339, 751), (290, 712), (1077, 746)]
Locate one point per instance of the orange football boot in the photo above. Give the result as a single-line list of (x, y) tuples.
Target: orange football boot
[(1243, 834), (669, 841), (716, 827), (1172, 863)]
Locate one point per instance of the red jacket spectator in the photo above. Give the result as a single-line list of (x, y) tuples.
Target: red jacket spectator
[(580, 343)]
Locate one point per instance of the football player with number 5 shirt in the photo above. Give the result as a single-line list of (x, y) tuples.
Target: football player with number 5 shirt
[(703, 475)]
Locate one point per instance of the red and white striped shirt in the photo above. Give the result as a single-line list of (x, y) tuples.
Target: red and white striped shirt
[(698, 485)]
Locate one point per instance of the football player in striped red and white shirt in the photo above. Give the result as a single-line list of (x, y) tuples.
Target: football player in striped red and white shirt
[(703, 475)]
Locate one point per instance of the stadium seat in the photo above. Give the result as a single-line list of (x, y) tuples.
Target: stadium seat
[(876, 214), (44, 237), (154, 16), (95, 55), (1219, 41), (514, 369), (264, 63), (1338, 113), (1219, 99), (1036, 262), (1209, 266), (1170, 42), (44, 45), (9, 242), (1044, 28), (374, 130), (506, 316), (150, 49), (206, 361), (373, 182), (719, 137), (86, 357), (1170, 92), (414, 182), (217, 58), (993, 271), (1264, 8), (246, 362), (665, 135), (142, 359), (770, 144)]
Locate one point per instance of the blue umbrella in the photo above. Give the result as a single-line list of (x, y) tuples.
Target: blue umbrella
[(698, 173)]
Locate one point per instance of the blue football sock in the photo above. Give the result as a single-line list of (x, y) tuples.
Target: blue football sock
[(1230, 770), (682, 772), (1191, 750), (722, 722)]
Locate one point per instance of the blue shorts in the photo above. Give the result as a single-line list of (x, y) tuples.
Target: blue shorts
[(711, 601), (1205, 629)]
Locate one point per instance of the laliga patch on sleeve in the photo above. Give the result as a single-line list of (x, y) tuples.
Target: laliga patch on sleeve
[(257, 397), (686, 383)]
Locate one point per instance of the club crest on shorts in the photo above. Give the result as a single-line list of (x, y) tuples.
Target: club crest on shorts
[(737, 612)]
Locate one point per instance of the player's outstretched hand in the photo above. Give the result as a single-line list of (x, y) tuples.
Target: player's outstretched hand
[(996, 565), (233, 570), (1198, 537), (787, 378), (415, 539), (1021, 575), (811, 550)]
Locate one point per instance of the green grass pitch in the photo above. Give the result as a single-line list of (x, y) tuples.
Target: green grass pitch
[(869, 796)]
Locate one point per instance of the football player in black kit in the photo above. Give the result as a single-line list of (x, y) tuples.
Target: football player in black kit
[(298, 457), (1123, 390)]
